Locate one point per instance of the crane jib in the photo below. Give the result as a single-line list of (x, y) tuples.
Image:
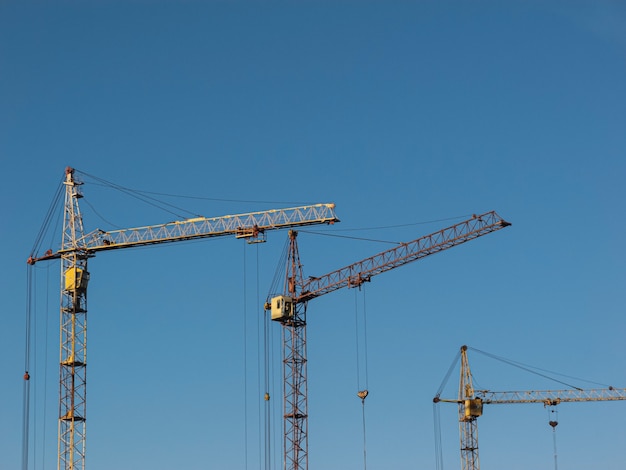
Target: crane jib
[(250, 225), (552, 396), (362, 271)]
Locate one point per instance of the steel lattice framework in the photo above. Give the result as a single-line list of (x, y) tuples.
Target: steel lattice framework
[(73, 337), (297, 293), (252, 225), (468, 427), (77, 248), (552, 397), (362, 271), (295, 390), (470, 403)]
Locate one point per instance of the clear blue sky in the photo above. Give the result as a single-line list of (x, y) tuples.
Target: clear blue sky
[(402, 113)]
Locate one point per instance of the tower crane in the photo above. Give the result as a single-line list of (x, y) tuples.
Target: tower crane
[(471, 401), (77, 247), (289, 309)]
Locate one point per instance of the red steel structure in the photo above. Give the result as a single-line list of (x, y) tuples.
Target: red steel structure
[(290, 310)]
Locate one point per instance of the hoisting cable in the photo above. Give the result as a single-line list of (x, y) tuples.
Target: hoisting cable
[(145, 196), (45, 226), (202, 198), (26, 388), (362, 393), (137, 195), (386, 227), (279, 276), (245, 363), (34, 368), (436, 416), (529, 369), (553, 423), (266, 385), (258, 365), (274, 289), (274, 337), (45, 371), (264, 423), (438, 448), (44, 231)]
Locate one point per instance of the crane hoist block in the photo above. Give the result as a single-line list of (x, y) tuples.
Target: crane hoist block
[(76, 279), (282, 307)]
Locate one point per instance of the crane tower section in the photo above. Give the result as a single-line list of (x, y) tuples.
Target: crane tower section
[(73, 334)]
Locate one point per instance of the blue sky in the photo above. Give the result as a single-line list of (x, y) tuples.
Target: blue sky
[(409, 115)]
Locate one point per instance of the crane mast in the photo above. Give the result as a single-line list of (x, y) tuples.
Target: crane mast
[(77, 247), (470, 403), (295, 403), (73, 335), (290, 310), (468, 428)]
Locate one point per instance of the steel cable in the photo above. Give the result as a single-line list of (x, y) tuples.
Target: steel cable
[(45, 226), (26, 387)]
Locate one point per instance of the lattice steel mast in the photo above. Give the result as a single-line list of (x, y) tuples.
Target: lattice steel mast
[(295, 403), (468, 427)]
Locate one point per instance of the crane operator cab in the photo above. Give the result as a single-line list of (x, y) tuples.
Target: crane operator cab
[(283, 308), (473, 408), (76, 279)]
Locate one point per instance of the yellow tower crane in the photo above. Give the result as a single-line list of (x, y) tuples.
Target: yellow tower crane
[(289, 309), (77, 247), (471, 401)]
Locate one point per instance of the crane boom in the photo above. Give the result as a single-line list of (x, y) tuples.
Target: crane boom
[(362, 271), (552, 397), (249, 225)]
